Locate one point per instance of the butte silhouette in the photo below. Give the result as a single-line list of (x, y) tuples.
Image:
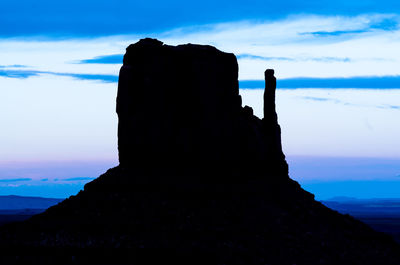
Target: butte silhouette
[(201, 180)]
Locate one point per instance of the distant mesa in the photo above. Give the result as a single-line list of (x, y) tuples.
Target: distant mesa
[(13, 202), (201, 180)]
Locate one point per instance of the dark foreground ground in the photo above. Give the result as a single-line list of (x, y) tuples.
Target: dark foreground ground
[(383, 215), (19, 208), (9, 216)]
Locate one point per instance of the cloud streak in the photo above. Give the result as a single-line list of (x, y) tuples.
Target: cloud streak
[(316, 59), (347, 103), (18, 73), (14, 180), (117, 59), (264, 58), (29, 73), (77, 179), (12, 66), (285, 44), (368, 24), (384, 82), (372, 82), (333, 33), (305, 45), (323, 99), (104, 59), (395, 107)]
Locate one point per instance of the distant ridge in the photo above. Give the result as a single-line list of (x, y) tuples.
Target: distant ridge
[(14, 202)]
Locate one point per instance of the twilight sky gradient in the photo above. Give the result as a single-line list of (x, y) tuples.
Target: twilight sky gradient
[(337, 65)]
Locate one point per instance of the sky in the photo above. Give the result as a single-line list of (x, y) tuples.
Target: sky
[(338, 97)]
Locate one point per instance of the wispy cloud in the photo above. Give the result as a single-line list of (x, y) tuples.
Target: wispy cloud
[(284, 43), (323, 99), (333, 100), (389, 23), (333, 33), (383, 82), (104, 59), (316, 59), (370, 23), (78, 179), (13, 66), (348, 103), (265, 58), (117, 59), (369, 82), (14, 180), (30, 73), (18, 73), (305, 45), (328, 59), (396, 107), (94, 77)]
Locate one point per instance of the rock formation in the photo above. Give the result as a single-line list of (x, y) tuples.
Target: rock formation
[(201, 180), (179, 108)]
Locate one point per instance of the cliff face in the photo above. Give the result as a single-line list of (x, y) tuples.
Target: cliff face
[(179, 108), (201, 180)]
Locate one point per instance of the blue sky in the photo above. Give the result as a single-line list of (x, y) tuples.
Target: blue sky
[(337, 64), (98, 18)]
